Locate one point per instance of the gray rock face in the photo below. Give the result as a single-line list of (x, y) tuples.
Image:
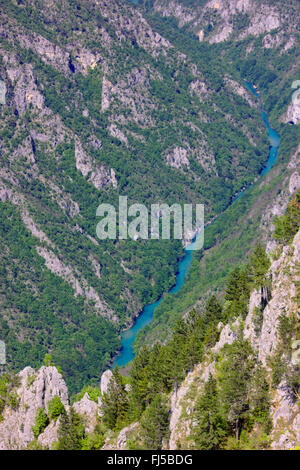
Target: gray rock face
[(293, 111), (35, 391), (106, 377), (123, 436), (177, 158), (263, 18), (179, 426), (228, 336), (284, 275), (294, 182), (286, 417), (50, 435), (98, 175), (89, 410)]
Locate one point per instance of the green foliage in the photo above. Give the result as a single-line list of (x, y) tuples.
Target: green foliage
[(81, 343), (258, 318), (48, 360), (139, 374), (278, 367), (237, 294), (235, 378), (210, 429), (29, 381), (71, 432), (55, 408), (286, 328), (35, 445), (292, 378), (288, 225), (259, 265), (281, 362), (154, 423), (41, 422), (115, 403), (93, 393), (254, 440), (259, 399), (13, 400), (8, 396), (92, 442)]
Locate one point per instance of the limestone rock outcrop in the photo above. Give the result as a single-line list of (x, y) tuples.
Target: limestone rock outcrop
[(35, 391)]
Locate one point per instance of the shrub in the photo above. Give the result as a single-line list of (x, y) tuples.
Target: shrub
[(55, 408), (13, 400), (41, 422)]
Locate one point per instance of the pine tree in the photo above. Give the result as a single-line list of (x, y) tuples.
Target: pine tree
[(157, 371), (288, 225), (233, 285), (259, 398), (211, 427), (235, 376), (71, 431), (139, 382), (213, 310), (115, 402), (237, 294), (155, 423), (259, 263)]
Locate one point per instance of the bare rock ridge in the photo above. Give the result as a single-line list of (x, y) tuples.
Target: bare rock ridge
[(216, 21), (35, 389)]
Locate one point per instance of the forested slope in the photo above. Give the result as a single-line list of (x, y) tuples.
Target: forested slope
[(265, 53), (99, 103)]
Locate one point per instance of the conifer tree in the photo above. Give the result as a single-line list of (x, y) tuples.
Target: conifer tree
[(259, 398), (71, 431), (115, 402), (260, 264), (154, 423), (139, 382), (235, 376), (211, 427)]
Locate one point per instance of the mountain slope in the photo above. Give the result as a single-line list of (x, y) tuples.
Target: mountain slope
[(256, 342), (274, 69), (100, 104)]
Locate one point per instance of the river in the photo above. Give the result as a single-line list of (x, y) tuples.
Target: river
[(128, 336)]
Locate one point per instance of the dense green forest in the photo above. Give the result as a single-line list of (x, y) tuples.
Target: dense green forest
[(52, 320)]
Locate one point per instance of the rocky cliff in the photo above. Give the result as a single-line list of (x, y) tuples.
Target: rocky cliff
[(264, 336), (218, 21)]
